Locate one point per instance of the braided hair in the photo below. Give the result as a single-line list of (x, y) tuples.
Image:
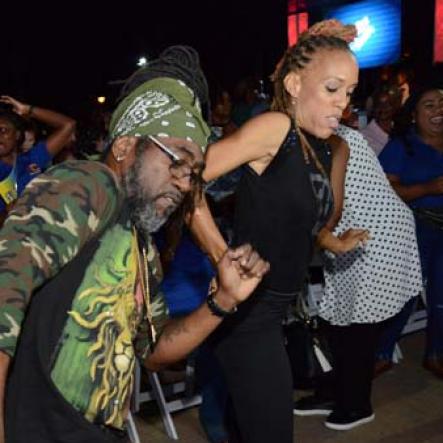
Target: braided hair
[(178, 62), (325, 35)]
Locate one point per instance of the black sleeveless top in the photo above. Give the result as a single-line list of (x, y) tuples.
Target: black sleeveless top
[(280, 211)]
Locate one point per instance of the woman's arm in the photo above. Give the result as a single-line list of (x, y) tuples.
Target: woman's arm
[(340, 157), (352, 237), (64, 127), (255, 144), (412, 192), (205, 231), (394, 160)]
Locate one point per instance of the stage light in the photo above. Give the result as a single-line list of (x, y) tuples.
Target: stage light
[(378, 24)]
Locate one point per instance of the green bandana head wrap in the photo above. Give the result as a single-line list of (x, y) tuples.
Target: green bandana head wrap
[(164, 107)]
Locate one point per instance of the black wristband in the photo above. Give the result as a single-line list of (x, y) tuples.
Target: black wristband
[(216, 309)]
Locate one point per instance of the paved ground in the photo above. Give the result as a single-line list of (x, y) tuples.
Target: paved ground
[(408, 405)]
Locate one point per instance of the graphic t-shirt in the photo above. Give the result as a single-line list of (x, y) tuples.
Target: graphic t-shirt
[(86, 298)]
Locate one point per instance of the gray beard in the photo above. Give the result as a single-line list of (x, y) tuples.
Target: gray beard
[(142, 209), (145, 218)]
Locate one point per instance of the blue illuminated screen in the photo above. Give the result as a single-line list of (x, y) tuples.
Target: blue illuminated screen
[(379, 30)]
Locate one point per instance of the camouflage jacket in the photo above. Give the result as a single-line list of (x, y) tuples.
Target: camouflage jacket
[(59, 213)]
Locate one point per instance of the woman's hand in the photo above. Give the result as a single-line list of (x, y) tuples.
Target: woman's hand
[(18, 107), (351, 239), (342, 243)]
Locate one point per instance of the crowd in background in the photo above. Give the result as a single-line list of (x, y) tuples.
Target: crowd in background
[(402, 122)]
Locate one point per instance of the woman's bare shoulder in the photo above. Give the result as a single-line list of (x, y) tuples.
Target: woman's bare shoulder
[(270, 127)]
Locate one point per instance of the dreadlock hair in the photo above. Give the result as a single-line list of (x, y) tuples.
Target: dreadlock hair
[(181, 63), (326, 35), (178, 62)]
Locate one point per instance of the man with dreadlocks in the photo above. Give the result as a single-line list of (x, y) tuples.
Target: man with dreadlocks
[(283, 202), (78, 266)]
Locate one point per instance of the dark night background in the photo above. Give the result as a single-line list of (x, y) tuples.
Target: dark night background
[(64, 55)]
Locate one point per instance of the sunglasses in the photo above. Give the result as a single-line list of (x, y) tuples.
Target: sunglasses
[(172, 155), (179, 167)]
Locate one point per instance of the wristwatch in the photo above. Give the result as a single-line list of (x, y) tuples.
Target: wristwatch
[(216, 309)]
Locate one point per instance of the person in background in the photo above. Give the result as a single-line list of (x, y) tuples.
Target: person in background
[(363, 288), (387, 102), (220, 116), (350, 117), (245, 99), (61, 127), (403, 79), (383, 78), (413, 162), (22, 156)]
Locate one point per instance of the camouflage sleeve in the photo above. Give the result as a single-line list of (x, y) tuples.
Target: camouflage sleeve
[(57, 214)]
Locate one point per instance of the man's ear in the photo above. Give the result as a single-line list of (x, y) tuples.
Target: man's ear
[(292, 83), (123, 148)]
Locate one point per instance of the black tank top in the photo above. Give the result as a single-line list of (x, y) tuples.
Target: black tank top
[(280, 211)]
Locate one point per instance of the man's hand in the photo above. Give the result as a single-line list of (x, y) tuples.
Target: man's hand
[(18, 107), (240, 270)]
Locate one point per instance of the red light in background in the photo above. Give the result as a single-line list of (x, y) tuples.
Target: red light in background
[(292, 29), (438, 32), (303, 20), (297, 23)]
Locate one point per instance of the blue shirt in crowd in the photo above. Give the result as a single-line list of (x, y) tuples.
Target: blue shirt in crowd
[(29, 165), (415, 163)]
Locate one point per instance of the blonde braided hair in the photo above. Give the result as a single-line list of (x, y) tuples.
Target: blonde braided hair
[(327, 34)]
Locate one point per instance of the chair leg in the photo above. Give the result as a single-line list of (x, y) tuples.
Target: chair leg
[(132, 429), (161, 402), (398, 355), (135, 400)]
